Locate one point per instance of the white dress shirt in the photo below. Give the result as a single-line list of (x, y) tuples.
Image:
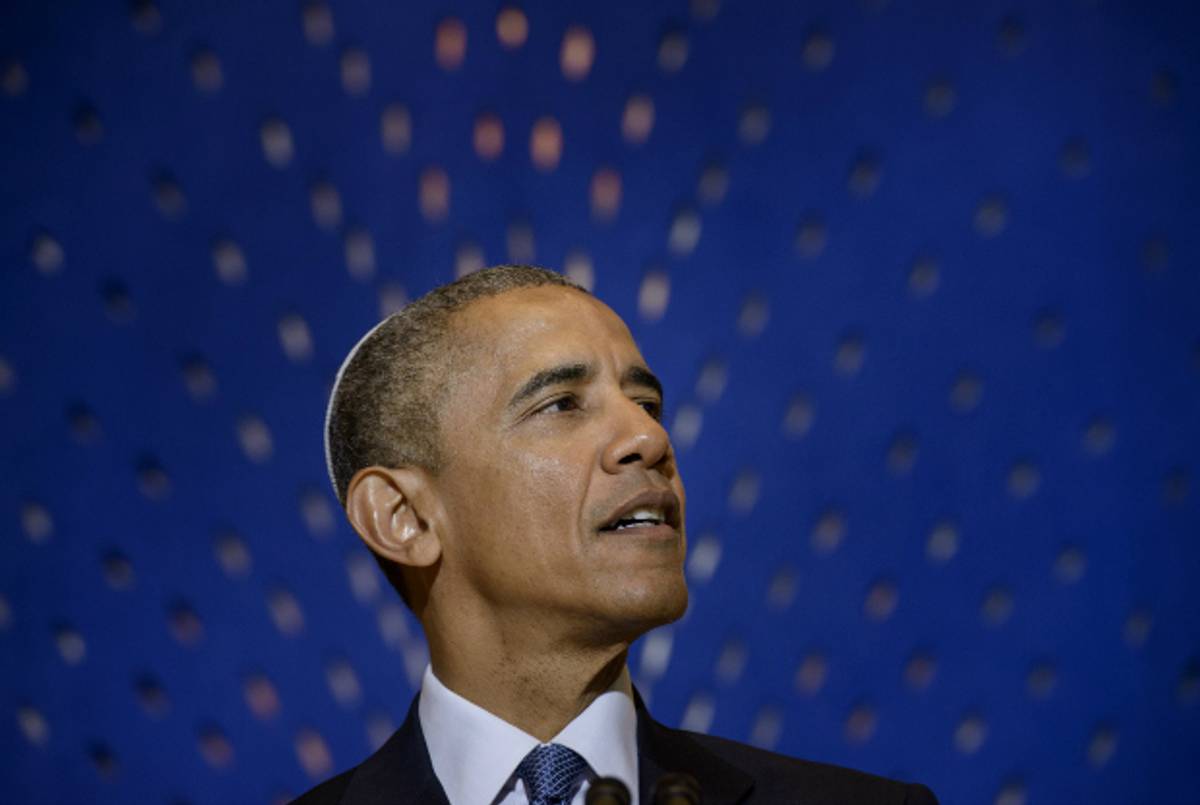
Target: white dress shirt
[(475, 754)]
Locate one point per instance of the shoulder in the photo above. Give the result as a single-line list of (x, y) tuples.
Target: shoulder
[(327, 793), (782, 779)]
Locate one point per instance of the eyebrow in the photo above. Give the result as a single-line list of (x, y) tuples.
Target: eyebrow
[(576, 372)]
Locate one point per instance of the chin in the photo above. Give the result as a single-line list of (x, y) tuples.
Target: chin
[(648, 605)]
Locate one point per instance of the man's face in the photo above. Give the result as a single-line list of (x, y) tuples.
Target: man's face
[(559, 482)]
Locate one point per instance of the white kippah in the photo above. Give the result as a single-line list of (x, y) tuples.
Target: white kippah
[(337, 382)]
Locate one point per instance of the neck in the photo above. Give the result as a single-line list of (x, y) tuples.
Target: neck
[(537, 684)]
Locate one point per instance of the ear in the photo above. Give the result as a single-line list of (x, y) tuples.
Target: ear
[(394, 511)]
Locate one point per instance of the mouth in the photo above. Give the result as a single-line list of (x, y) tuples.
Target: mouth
[(651, 513)]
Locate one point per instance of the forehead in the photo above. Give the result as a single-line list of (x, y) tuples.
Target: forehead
[(516, 332)]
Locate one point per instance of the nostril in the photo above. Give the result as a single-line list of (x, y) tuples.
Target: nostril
[(630, 458)]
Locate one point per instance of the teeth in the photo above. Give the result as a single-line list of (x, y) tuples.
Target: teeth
[(640, 518), (646, 514)]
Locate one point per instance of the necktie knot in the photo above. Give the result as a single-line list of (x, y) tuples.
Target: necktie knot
[(551, 774)]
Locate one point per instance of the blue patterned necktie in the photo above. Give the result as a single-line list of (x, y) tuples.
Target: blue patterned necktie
[(551, 773)]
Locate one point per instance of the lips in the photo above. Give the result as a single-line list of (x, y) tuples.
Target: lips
[(645, 511)]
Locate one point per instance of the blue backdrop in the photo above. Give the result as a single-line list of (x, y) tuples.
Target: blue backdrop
[(920, 278)]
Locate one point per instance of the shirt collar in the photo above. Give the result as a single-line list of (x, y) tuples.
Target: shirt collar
[(474, 753)]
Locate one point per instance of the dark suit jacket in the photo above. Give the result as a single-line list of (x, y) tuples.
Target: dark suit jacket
[(729, 772)]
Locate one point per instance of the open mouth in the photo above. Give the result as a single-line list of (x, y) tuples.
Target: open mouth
[(648, 510), (639, 518)]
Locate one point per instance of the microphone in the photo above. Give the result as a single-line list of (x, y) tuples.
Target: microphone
[(676, 788), (607, 791)]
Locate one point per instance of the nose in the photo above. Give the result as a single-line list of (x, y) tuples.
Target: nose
[(637, 439)]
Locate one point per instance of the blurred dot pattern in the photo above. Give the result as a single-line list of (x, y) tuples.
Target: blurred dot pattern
[(922, 289)]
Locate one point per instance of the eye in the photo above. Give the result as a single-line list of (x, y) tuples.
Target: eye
[(653, 408), (559, 405)]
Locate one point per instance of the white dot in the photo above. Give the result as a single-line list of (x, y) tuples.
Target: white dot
[(277, 143), (450, 44), (295, 338), (638, 119), (8, 376), (207, 75), (782, 589), (1102, 746), (71, 645), (731, 662), (380, 727), (881, 601), (997, 606), (359, 248), (970, 734), (743, 494), (392, 299), (229, 261), (512, 28), (686, 427), (713, 183), (654, 295), (798, 419), (36, 522), (343, 682), (232, 554), (578, 268), (488, 137), (942, 543), (395, 129), (522, 247), (605, 194), (768, 726), (215, 747), (168, 196), (577, 54), (754, 124), (468, 258), (255, 438), (828, 532), (356, 71), (752, 318), (33, 725), (15, 79), (546, 144), (363, 574), (812, 672), (393, 625), (285, 612), (991, 216), (703, 558), (685, 232), (326, 204), (313, 753), (318, 23), (46, 254), (673, 51), (434, 194), (262, 699), (818, 51), (698, 715), (940, 97), (810, 236), (316, 513), (656, 653), (711, 383), (860, 724)]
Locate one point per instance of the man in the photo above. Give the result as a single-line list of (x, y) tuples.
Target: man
[(498, 447)]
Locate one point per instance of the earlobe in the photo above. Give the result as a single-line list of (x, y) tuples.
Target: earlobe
[(385, 506)]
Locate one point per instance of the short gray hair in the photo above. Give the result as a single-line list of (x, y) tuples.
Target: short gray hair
[(382, 410)]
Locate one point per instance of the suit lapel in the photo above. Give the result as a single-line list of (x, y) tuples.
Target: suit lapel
[(399, 773), (662, 750)]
